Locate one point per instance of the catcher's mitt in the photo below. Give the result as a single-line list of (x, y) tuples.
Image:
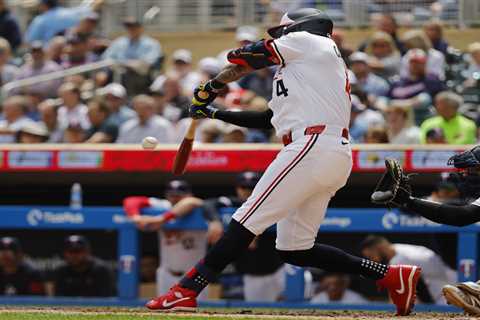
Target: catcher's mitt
[(393, 189), (465, 295)]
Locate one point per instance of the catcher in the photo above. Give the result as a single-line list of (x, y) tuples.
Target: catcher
[(393, 190)]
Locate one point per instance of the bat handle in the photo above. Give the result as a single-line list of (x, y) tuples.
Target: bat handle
[(191, 129)]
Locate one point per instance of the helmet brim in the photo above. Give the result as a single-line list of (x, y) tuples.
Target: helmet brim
[(277, 31)]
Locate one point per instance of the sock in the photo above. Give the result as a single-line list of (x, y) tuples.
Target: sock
[(234, 241), (333, 259)]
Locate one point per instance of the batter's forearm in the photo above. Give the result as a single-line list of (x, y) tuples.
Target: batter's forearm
[(443, 213), (232, 72)]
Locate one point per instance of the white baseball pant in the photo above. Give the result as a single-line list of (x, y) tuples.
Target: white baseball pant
[(296, 188)]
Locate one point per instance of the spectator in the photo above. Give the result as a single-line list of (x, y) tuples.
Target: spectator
[(260, 82), (74, 133), (384, 56), (135, 48), (445, 192), (417, 90), (147, 123), (172, 91), (387, 23), (208, 68), (55, 49), (164, 108), (178, 248), (234, 134), (54, 19), (182, 71), (474, 64), (86, 27), (399, 129), (334, 288), (416, 39), (77, 52), (261, 267), (104, 129), (9, 28), (115, 97), (17, 277), (244, 36), (33, 132), (338, 36), (49, 116), (81, 274), (435, 136), (376, 134), (457, 128), (435, 273), (434, 31), (14, 117), (38, 65), (8, 72), (72, 111), (367, 81)]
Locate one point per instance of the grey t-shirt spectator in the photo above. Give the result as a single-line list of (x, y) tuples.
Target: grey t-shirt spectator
[(133, 132)]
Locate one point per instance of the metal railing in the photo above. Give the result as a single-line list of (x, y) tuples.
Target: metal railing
[(207, 15), (104, 64)]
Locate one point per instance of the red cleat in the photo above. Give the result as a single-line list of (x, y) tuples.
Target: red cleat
[(401, 283), (177, 298)]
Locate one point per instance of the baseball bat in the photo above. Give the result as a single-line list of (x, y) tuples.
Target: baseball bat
[(183, 152)]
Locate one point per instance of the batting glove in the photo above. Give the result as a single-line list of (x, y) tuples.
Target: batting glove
[(203, 111), (204, 94)]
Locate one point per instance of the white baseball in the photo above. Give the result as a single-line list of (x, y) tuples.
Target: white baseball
[(149, 143)]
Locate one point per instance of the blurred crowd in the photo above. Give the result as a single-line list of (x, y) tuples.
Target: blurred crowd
[(405, 89)]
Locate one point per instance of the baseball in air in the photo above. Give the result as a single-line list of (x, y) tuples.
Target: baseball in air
[(149, 143)]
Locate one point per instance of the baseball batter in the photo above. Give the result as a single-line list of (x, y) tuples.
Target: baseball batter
[(310, 110)]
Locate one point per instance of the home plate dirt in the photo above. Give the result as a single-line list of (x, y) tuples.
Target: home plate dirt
[(57, 313)]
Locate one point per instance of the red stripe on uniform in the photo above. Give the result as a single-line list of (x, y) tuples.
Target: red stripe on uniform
[(272, 185)]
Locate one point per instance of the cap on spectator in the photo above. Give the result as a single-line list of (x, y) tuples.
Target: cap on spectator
[(416, 55), (359, 57), (92, 16), (35, 129), (178, 187), (182, 55), (10, 243), (131, 22), (230, 128), (474, 47), (247, 179), (76, 243), (246, 33), (357, 105), (36, 45), (114, 89), (210, 65)]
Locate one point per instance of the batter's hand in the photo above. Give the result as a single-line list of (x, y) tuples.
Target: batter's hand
[(200, 112), (204, 94)]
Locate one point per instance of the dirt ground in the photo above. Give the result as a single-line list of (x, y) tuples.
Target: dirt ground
[(14, 313)]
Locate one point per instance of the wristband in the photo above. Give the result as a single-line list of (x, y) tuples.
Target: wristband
[(167, 216), (217, 85)]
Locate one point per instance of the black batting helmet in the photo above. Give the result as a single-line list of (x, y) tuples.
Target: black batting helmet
[(306, 19), (247, 179)]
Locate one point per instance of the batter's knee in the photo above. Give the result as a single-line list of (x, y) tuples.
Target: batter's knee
[(296, 257)]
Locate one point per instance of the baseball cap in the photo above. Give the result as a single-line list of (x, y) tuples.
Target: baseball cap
[(246, 33), (247, 179), (131, 21), (92, 16), (358, 57), (183, 55), (36, 45), (76, 242), (210, 65), (35, 128), (114, 89), (10, 243), (178, 187), (416, 55)]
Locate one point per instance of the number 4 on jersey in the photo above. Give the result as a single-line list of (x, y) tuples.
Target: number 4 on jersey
[(281, 90)]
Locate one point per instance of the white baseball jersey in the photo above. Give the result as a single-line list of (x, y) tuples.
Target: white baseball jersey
[(435, 272), (311, 86), (179, 249)]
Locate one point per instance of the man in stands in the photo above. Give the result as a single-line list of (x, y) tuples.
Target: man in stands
[(82, 275), (17, 277)]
